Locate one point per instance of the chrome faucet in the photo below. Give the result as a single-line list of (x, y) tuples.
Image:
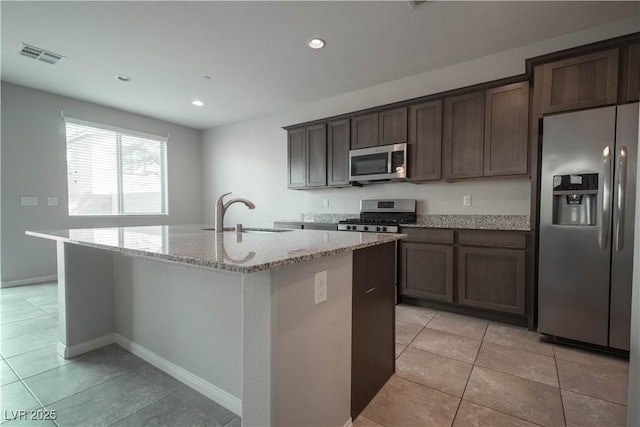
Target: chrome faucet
[(221, 208)]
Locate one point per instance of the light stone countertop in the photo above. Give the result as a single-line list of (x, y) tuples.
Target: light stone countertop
[(247, 252)]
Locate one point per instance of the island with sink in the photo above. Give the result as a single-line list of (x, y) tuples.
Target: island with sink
[(266, 322)]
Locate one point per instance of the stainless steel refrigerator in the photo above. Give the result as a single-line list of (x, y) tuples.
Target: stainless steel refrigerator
[(587, 214)]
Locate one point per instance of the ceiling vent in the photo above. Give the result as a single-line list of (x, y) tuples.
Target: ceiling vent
[(39, 54), (417, 4)]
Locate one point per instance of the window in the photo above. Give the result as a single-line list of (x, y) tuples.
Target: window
[(113, 171)]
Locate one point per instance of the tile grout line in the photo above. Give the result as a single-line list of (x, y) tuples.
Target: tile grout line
[(555, 362)]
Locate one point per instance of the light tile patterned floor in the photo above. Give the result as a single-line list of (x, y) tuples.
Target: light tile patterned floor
[(462, 371), (106, 387)]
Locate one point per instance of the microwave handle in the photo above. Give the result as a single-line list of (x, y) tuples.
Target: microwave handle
[(389, 156)]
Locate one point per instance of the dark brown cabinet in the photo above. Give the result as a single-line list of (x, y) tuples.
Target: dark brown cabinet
[(427, 271), (338, 140), (296, 152), (307, 157), (493, 279), (425, 141), (383, 128), (482, 270), (316, 156), (630, 88), (373, 323), (364, 131), (463, 136), (585, 81), (506, 130)]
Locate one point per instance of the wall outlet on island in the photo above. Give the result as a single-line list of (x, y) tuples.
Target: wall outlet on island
[(321, 287), (466, 200), (325, 203)]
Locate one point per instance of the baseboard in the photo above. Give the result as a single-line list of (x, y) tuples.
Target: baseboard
[(85, 347), (349, 423), (30, 281), (214, 393)]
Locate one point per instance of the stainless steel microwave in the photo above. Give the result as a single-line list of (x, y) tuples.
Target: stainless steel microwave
[(380, 163)]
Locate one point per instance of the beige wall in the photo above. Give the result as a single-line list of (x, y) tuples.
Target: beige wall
[(34, 164)]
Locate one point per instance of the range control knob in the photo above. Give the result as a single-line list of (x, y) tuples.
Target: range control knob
[(377, 228), (365, 228), (384, 228)]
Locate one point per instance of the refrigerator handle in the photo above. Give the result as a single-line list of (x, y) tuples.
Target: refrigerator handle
[(622, 197), (605, 214)]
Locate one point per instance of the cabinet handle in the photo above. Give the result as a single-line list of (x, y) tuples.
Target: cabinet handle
[(371, 290)]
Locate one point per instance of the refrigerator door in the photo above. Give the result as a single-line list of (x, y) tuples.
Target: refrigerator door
[(623, 225), (574, 260)]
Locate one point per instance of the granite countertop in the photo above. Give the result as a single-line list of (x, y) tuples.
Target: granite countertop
[(472, 222), (246, 252)]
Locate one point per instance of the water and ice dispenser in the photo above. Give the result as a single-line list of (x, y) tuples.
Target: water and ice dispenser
[(575, 199)]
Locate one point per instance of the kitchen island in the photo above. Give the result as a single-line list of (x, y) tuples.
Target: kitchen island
[(233, 315)]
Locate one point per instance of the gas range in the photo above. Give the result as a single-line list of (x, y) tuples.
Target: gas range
[(381, 216)]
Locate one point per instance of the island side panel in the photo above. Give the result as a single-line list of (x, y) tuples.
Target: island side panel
[(312, 343), (86, 299), (186, 320)]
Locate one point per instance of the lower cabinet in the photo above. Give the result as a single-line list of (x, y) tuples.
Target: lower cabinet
[(481, 270), (373, 323), (427, 271)]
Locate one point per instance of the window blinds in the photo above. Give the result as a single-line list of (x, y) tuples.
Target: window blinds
[(113, 171)]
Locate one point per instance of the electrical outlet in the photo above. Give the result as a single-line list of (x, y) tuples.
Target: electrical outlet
[(466, 200), (29, 201), (326, 203), (52, 201), (321, 287)]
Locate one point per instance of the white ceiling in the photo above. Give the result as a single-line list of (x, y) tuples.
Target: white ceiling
[(256, 52)]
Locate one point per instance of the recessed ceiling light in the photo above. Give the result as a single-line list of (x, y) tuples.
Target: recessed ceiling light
[(197, 103), (316, 43), (123, 78)]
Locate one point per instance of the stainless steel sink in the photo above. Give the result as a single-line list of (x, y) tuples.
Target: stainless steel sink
[(253, 230)]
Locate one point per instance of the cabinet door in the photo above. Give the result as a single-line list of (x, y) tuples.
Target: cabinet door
[(426, 271), (506, 130), (392, 126), (631, 74), (338, 153), (425, 141), (463, 142), (316, 156), (364, 131), (296, 153), (583, 82), (492, 279), (373, 327)]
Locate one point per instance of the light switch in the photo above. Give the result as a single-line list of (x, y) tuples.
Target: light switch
[(52, 201), (29, 201)]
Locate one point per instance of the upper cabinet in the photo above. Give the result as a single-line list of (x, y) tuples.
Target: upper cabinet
[(585, 81), (307, 157), (630, 88), (383, 128), (506, 128), (463, 142), (296, 151), (425, 141), (338, 139)]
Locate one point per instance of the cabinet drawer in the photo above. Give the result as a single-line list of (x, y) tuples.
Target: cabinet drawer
[(501, 239), (428, 235)]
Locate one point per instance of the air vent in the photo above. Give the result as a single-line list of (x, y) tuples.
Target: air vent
[(416, 4), (39, 54)]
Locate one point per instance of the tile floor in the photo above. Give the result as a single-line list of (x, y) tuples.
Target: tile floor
[(462, 371), (107, 387)]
